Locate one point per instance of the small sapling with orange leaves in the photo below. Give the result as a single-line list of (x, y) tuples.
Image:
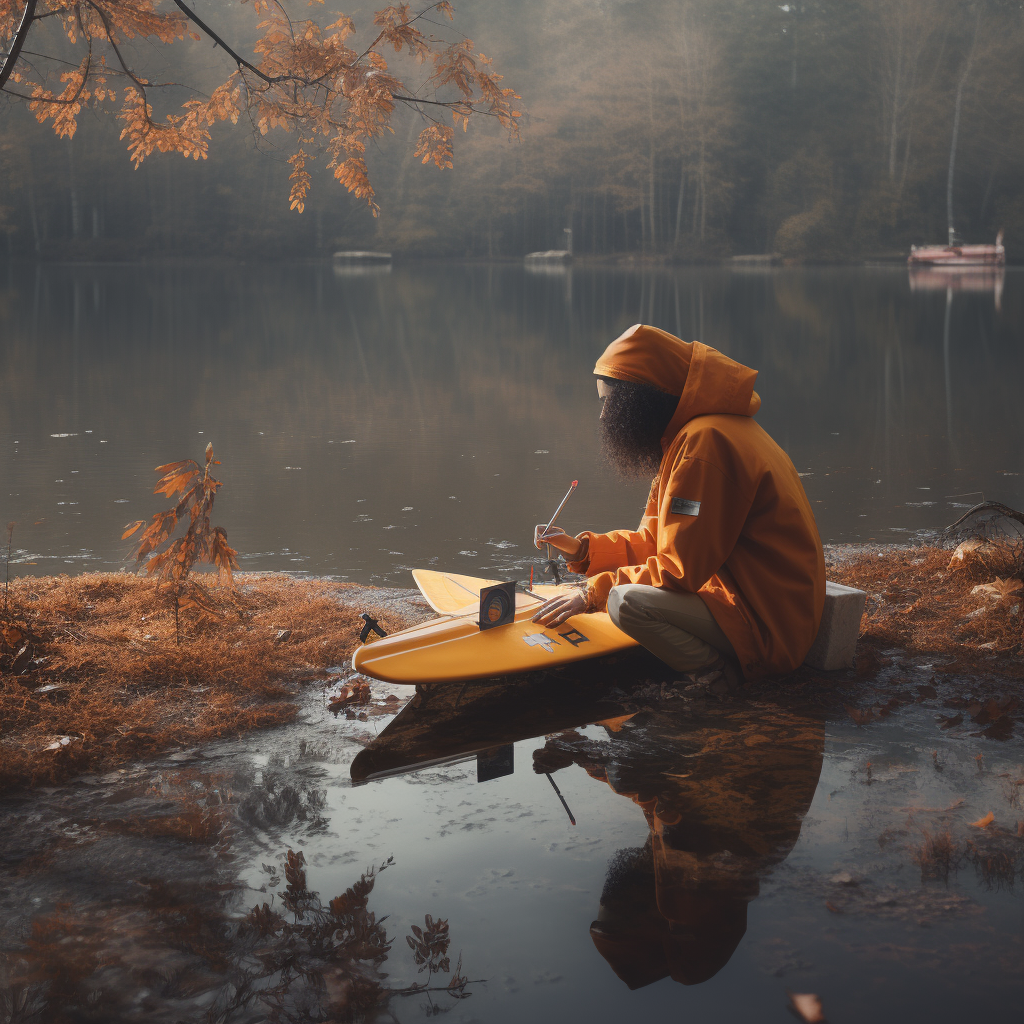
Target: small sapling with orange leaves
[(171, 558)]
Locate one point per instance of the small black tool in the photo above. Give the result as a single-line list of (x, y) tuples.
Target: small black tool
[(371, 624), (551, 569)]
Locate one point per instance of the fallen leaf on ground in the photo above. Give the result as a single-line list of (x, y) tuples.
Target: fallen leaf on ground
[(998, 590), (60, 743), (984, 822), (807, 1007), (964, 551)]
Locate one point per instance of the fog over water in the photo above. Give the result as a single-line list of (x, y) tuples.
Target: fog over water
[(375, 422)]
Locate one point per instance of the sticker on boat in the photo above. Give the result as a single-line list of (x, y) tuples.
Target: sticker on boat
[(541, 640)]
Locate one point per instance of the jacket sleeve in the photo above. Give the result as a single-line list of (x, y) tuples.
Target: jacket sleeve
[(620, 547), (684, 550)]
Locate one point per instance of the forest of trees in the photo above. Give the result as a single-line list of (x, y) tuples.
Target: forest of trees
[(678, 129)]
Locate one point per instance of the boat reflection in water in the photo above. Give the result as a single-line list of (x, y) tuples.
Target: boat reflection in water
[(724, 789), (950, 279)]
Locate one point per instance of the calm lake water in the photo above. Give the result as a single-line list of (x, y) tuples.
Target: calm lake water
[(723, 853), (371, 423)]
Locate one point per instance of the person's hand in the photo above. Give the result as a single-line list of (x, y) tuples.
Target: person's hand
[(557, 538), (558, 609)]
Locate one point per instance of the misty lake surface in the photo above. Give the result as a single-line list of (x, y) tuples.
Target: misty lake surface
[(723, 853), (371, 423)]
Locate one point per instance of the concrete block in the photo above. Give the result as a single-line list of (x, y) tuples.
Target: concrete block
[(836, 642)]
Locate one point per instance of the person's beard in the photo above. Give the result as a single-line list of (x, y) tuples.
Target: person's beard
[(635, 419)]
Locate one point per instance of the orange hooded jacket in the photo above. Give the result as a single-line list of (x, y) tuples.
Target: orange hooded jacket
[(727, 516)]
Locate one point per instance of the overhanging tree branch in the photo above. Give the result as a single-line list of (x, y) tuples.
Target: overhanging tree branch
[(301, 77), (11, 60), (236, 57)]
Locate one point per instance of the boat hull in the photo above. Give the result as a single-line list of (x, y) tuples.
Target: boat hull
[(961, 257)]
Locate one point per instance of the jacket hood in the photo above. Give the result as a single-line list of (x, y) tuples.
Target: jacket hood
[(706, 381)]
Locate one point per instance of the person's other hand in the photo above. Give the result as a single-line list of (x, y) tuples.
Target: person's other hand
[(557, 538), (558, 609)]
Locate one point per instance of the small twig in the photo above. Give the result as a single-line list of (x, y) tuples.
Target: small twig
[(415, 990)]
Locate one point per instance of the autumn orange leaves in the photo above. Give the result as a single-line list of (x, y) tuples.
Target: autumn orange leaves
[(201, 542), (303, 79)]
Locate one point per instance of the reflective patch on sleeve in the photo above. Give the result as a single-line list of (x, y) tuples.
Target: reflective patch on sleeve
[(685, 507)]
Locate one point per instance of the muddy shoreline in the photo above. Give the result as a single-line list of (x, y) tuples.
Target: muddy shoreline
[(91, 677)]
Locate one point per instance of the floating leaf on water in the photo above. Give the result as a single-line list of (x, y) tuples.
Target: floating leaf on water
[(807, 1007), (860, 717), (984, 822), (844, 878)]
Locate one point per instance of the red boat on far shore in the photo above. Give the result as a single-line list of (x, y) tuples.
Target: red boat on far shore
[(958, 257)]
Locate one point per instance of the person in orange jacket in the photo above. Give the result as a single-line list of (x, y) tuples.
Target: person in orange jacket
[(727, 562)]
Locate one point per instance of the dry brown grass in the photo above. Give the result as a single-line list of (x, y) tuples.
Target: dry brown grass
[(918, 603), (126, 689)]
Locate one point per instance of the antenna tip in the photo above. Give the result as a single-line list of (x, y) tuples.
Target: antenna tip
[(575, 482)]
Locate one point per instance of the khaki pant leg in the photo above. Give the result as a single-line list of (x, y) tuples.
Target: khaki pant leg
[(675, 627)]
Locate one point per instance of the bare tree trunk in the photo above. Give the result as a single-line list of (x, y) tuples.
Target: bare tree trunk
[(75, 212), (679, 203), (32, 216), (906, 162), (988, 192), (696, 206), (894, 116), (651, 179), (702, 194)]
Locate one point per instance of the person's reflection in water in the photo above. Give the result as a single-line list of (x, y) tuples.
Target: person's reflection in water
[(724, 795)]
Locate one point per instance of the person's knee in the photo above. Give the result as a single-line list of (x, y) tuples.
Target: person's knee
[(615, 605), (623, 608)]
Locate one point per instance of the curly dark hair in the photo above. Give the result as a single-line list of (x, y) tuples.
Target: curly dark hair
[(635, 418)]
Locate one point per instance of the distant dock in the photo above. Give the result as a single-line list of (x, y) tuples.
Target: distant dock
[(355, 257), (757, 260)]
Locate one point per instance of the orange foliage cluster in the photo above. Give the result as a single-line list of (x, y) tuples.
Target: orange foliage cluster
[(91, 676), (201, 541), (921, 599), (303, 78)]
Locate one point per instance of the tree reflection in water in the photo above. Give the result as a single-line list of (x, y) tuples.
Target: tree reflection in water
[(180, 947)]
